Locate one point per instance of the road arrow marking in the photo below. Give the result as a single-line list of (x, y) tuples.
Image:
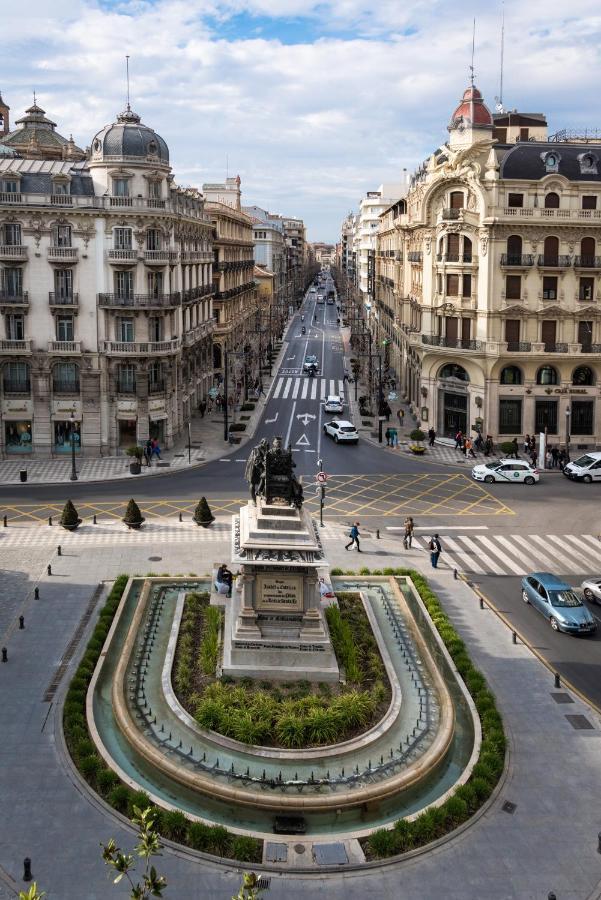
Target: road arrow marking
[(303, 440), (269, 421), (291, 357), (305, 418)]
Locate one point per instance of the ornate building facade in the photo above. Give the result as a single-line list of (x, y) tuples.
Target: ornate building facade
[(106, 286), (489, 279)]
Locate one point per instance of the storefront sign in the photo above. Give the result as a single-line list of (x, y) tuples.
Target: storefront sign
[(571, 391), (280, 592), (127, 406), (17, 408), (156, 406), (64, 410)]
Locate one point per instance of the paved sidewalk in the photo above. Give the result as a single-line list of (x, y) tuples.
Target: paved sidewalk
[(548, 842), (207, 444)]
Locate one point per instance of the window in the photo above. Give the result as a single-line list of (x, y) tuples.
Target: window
[(60, 188), (12, 235), (155, 329), (126, 378), (586, 289), (153, 239), (588, 163), (122, 239), (456, 200), (510, 416), (65, 378), (64, 328), (583, 376), (587, 251), (121, 187), (155, 377), (125, 330), (546, 375), (467, 286), (12, 282), (452, 370), (15, 327), (452, 285), (467, 250), (124, 285), (15, 378), (511, 375), (581, 421), (513, 287), (63, 283), (589, 201), (512, 333), (62, 236), (452, 248), (549, 334), (11, 186), (500, 135), (514, 250), (154, 190), (550, 287), (552, 200), (515, 201), (545, 416), (524, 134), (155, 284), (551, 251)]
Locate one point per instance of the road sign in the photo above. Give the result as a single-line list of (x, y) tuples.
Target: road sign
[(322, 477), (392, 395)]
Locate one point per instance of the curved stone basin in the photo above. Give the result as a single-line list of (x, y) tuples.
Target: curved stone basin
[(421, 751)]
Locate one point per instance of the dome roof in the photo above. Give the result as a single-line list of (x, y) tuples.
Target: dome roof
[(37, 137), (128, 138), (472, 110)]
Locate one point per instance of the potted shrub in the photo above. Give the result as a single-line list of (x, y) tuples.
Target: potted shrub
[(417, 436), (133, 517), (202, 514), (69, 518), (135, 466)]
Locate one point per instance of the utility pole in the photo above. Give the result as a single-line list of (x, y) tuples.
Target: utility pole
[(225, 384)]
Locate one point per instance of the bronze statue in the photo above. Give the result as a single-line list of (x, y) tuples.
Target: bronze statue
[(269, 474), (255, 469)]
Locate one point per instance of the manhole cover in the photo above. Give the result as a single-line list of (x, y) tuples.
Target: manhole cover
[(154, 558), (299, 848), (509, 807), (562, 698), (580, 723)]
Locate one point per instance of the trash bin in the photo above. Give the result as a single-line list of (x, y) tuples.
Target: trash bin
[(23, 475)]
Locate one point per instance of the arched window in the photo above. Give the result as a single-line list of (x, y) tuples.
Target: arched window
[(452, 370), (552, 200), (467, 250), (65, 378), (456, 199), (514, 250), (587, 251), (546, 375), (551, 251), (511, 375), (584, 376)]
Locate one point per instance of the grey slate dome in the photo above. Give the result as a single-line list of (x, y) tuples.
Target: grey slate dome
[(128, 138)]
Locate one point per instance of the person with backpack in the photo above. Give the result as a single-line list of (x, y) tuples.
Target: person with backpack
[(354, 537), (408, 537), (459, 441), (435, 548)]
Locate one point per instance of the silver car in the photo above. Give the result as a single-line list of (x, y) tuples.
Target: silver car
[(591, 588)]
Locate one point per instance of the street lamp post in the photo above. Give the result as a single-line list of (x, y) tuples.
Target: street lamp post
[(225, 399), (73, 476), (568, 414)]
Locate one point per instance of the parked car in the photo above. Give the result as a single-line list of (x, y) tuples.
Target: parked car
[(558, 602), (591, 588), (506, 470), (586, 468), (341, 430), (333, 404), (311, 362)]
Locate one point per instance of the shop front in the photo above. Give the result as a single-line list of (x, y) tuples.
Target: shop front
[(18, 436), (453, 400), (67, 436), (127, 433)]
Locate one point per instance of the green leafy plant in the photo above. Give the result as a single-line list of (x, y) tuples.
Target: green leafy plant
[(136, 452), (133, 517), (202, 514), (151, 883), (69, 518), (417, 435), (32, 893)]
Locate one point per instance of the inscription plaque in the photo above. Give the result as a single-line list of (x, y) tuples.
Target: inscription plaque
[(279, 593)]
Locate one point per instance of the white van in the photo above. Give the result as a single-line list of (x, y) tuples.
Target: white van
[(586, 468)]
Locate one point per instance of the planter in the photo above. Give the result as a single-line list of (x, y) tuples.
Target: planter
[(71, 527), (134, 525), (418, 451), (204, 524), (135, 468)]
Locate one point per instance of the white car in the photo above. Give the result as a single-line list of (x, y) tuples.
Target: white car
[(591, 588), (341, 431), (506, 470), (333, 404)]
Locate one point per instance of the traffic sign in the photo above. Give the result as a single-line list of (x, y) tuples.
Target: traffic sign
[(392, 395), (322, 477)]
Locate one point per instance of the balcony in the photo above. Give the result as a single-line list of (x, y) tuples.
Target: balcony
[(160, 257), (63, 300), (13, 298), (415, 256), (140, 348), (452, 213), (587, 262), (12, 346), (64, 386), (120, 201), (10, 197), (140, 301), (198, 333), (13, 251), (554, 262), (517, 261), (435, 340), (122, 256), (537, 212), (457, 259), (125, 204), (16, 386), (156, 387), (64, 347), (63, 254), (556, 348), (193, 256), (198, 292), (519, 346), (590, 348), (126, 387), (61, 200)]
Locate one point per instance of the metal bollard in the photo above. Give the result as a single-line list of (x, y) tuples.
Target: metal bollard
[(5, 521), (59, 550), (599, 842), (180, 517), (21, 622), (455, 574), (551, 896), (36, 593), (50, 520), (481, 603), (27, 876), (4, 654), (49, 569), (514, 637), (377, 534), (94, 519), (557, 680)]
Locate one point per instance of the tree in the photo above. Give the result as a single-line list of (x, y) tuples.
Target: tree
[(69, 518), (250, 889), (32, 893), (151, 883), (202, 514), (133, 517)]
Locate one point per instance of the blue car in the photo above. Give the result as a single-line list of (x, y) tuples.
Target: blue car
[(558, 602)]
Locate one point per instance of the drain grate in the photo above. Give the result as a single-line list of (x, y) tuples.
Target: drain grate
[(154, 558), (580, 723), (299, 848), (509, 807), (276, 852), (72, 646), (330, 854), (562, 698)]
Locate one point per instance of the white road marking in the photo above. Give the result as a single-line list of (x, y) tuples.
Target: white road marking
[(269, 421), (296, 388), (287, 441), (314, 389), (441, 528), (305, 418), (225, 460), (341, 386), (278, 388), (305, 389), (322, 394), (287, 388), (500, 554), (303, 441), (332, 386), (468, 560)]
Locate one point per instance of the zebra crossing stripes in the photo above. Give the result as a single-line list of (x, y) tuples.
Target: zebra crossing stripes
[(304, 388), (480, 554)]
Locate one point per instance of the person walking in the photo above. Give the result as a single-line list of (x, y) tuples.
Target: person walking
[(354, 537), (479, 442), (394, 438), (562, 459), (408, 536), (469, 448), (527, 443), (386, 410), (400, 416), (459, 441), (202, 408), (554, 457), (548, 458), (431, 436), (148, 452), (387, 435), (435, 548), (488, 445), (156, 450), (533, 456), (515, 451)]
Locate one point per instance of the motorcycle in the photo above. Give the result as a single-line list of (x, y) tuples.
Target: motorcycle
[(302, 318), (311, 373), (303, 330)]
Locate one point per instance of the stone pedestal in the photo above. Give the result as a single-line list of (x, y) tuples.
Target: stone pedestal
[(274, 626)]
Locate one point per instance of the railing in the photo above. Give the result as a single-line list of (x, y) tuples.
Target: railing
[(590, 348), (435, 340), (554, 262), (556, 348), (140, 301), (141, 347), (587, 262), (61, 200), (198, 333), (156, 387), (126, 387), (189, 256), (64, 346), (10, 386), (124, 203), (120, 201), (63, 299), (415, 256), (13, 251), (519, 346), (452, 213), (9, 197), (160, 256), (63, 253), (528, 212), (515, 259), (122, 255), (196, 293), (9, 345), (20, 299), (465, 258), (62, 386)]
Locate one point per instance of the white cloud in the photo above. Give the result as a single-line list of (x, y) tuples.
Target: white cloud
[(309, 126)]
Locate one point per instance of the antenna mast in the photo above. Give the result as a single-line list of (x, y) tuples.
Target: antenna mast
[(473, 50), (499, 99), (127, 77)]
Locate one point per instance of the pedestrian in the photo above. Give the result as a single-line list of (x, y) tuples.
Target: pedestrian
[(354, 537), (400, 416), (548, 458), (527, 443), (387, 435), (488, 445), (148, 452), (464, 446), (459, 441), (202, 408), (479, 442), (435, 548), (561, 459), (156, 450), (469, 448), (394, 438), (387, 411), (533, 456), (514, 451), (554, 456), (431, 436), (408, 536), (532, 443)]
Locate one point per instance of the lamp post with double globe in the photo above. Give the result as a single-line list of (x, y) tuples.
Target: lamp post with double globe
[(72, 420)]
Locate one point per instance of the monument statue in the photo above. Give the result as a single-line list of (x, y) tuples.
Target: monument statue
[(269, 474)]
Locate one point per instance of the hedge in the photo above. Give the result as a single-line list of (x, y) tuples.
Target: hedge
[(174, 825)]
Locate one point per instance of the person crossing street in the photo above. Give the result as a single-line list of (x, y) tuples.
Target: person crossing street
[(435, 548), (354, 537), (408, 537)]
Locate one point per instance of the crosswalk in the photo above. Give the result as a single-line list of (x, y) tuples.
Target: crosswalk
[(518, 554), (305, 388)]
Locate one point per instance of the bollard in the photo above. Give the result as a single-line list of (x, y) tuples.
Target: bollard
[(514, 637), (27, 876), (5, 521), (94, 519), (180, 517), (36, 593), (455, 574), (49, 569), (481, 603), (59, 550), (599, 842), (4, 654), (50, 520), (557, 680), (377, 534), (21, 622), (551, 896)]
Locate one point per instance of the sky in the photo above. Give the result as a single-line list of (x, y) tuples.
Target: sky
[(311, 102)]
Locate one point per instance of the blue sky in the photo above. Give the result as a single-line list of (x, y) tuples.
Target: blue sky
[(312, 103)]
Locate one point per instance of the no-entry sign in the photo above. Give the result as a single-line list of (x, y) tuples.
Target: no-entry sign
[(322, 477)]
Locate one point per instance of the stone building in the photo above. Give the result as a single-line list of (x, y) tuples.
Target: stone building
[(488, 279), (105, 291)]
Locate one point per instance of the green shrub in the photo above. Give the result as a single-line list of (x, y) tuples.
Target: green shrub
[(219, 840), (106, 780), (133, 516), (119, 798), (238, 426), (174, 824), (69, 517), (336, 571), (202, 513), (455, 810), (199, 835), (89, 766), (139, 799), (383, 842), (245, 849), (481, 787)]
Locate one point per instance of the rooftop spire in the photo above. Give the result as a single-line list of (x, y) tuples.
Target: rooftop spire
[(127, 77), (472, 76)]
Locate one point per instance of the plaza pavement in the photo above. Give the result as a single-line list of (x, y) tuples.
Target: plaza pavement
[(548, 843)]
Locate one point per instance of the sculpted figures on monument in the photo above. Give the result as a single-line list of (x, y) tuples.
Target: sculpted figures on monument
[(255, 470), (269, 474)]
